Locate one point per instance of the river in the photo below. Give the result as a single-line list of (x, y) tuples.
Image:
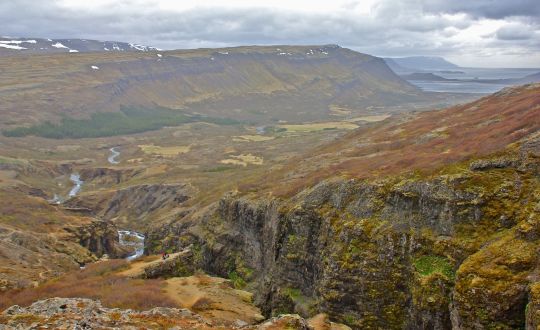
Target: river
[(114, 154), (76, 179), (134, 239)]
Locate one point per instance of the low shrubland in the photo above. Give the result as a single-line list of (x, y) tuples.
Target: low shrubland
[(98, 281)]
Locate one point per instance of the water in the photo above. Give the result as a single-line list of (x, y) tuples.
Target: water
[(483, 73), (76, 179), (56, 200), (137, 242), (471, 74), (457, 87), (112, 158)]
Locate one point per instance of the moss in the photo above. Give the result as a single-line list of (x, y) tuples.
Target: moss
[(350, 320), (237, 281), (429, 264)]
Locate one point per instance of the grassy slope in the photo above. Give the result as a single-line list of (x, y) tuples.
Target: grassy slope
[(425, 142)]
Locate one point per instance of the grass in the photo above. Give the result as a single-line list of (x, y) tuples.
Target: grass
[(8, 160), (314, 127), (243, 160), (129, 120), (237, 280), (252, 138), (370, 119), (164, 151), (427, 265), (97, 281), (219, 169)]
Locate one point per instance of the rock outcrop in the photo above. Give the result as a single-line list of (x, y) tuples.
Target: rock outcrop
[(101, 237), (79, 313)]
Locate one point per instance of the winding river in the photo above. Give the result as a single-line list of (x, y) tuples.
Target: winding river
[(112, 158), (134, 239)]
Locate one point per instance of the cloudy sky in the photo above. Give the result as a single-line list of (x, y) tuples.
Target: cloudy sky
[(497, 33)]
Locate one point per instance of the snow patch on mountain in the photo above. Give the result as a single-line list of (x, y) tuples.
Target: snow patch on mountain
[(12, 46), (59, 45)]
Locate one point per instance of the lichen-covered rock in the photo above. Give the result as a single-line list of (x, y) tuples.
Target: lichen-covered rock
[(80, 313), (286, 321), (533, 308)]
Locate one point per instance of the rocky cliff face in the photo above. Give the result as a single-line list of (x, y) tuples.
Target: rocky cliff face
[(453, 249), (135, 206), (101, 237)]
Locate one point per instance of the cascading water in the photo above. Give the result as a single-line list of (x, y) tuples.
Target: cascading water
[(112, 158), (76, 179), (133, 239)]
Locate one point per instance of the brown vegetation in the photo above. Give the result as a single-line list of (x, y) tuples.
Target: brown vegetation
[(426, 142), (97, 281)]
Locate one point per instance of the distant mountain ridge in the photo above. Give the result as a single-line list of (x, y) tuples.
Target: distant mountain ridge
[(257, 84), (14, 46), (419, 63)]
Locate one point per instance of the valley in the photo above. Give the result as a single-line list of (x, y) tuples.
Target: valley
[(280, 180)]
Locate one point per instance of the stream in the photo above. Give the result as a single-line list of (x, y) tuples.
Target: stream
[(76, 179), (112, 158), (134, 239)]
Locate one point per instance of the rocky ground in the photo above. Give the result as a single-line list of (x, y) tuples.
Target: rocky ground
[(78, 313)]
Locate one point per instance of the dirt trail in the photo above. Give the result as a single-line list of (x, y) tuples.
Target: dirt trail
[(322, 322), (214, 298), (138, 266)]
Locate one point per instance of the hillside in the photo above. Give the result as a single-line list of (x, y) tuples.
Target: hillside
[(252, 84), (28, 46), (421, 63), (425, 141)]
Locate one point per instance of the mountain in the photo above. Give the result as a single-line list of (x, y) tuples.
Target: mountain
[(392, 64), (420, 63), (255, 84), (15, 46), (425, 76)]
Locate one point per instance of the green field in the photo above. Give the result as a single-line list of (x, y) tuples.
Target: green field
[(129, 120)]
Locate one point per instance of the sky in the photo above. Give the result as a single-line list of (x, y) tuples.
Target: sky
[(473, 33)]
